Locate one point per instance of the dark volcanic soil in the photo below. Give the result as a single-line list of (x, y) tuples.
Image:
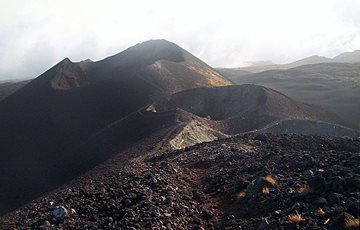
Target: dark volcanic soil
[(249, 182), (44, 124)]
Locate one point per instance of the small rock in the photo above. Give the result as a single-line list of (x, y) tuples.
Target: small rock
[(60, 212), (256, 186), (127, 202), (46, 224), (264, 224), (41, 224), (110, 220), (197, 196), (242, 184), (167, 214), (72, 211), (308, 173), (318, 184), (353, 184), (154, 211), (198, 227), (337, 184), (339, 220), (153, 180), (289, 190), (335, 198), (297, 205), (206, 215), (353, 206)]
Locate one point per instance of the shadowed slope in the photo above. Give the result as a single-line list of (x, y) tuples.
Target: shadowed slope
[(43, 124)]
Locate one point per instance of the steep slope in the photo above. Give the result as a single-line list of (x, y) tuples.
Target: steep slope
[(244, 108), (44, 124), (9, 87), (334, 86), (252, 181)]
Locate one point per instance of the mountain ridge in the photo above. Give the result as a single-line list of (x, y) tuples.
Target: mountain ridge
[(70, 102), (156, 91), (346, 57)]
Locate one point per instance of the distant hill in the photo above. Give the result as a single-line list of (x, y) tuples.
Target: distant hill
[(315, 59), (306, 61), (9, 87), (334, 86), (261, 63), (232, 72), (348, 57), (258, 69)]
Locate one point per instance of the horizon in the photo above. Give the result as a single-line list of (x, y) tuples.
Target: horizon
[(38, 34), (253, 64)]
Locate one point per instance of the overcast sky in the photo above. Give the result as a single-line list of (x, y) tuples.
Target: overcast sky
[(34, 35)]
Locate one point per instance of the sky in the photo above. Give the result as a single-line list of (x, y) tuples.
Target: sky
[(36, 34)]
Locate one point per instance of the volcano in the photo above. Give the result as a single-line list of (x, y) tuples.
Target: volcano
[(153, 97), (46, 122)]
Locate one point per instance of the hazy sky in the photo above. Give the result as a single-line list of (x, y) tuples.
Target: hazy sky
[(34, 35)]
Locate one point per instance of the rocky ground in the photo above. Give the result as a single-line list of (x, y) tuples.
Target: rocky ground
[(254, 181)]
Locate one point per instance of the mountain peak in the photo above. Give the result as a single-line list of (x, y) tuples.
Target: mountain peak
[(156, 44), (158, 62), (147, 53), (65, 61), (68, 75), (156, 41)]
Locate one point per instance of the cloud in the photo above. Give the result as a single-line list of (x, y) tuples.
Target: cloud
[(36, 34)]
